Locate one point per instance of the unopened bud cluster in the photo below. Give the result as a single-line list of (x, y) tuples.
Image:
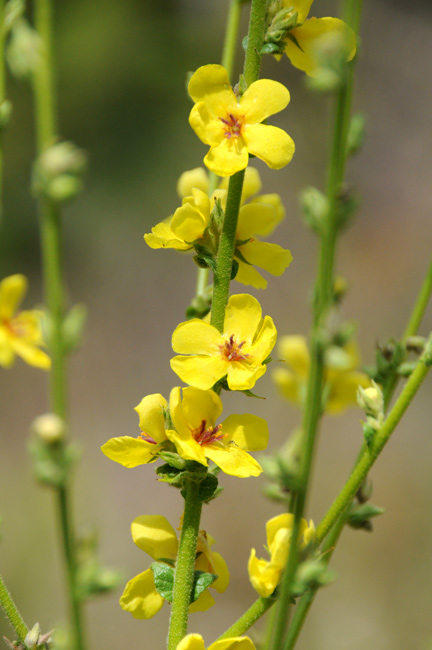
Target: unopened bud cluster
[(57, 173)]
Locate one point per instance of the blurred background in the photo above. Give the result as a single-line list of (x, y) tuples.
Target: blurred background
[(121, 70)]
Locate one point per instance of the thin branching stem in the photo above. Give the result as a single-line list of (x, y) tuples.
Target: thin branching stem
[(51, 240)]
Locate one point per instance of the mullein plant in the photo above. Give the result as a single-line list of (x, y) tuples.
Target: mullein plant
[(225, 343)]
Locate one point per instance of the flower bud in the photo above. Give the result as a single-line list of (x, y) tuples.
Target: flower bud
[(32, 638), (315, 208), (356, 134), (371, 400), (23, 52), (49, 428)]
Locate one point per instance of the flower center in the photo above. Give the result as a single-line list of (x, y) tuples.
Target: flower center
[(231, 350), (205, 435), (232, 125)]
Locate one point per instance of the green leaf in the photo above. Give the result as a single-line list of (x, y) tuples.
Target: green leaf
[(173, 459), (239, 254), (360, 516), (169, 474), (234, 269), (294, 40), (164, 580), (201, 582), (208, 488), (273, 48), (249, 393)]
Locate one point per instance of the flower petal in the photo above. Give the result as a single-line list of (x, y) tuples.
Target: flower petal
[(191, 219), (221, 571), (248, 275), (249, 432), (288, 385), (191, 642), (302, 7), (343, 390), (275, 201), (242, 377), (140, 597), (208, 80), (227, 157), (295, 352), (310, 35), (208, 128), (235, 643), (271, 257), (187, 447), (242, 317), (154, 535), (254, 217), (199, 371), (233, 460), (269, 143), (265, 340), (263, 98), (264, 577), (31, 354), (251, 184), (129, 452), (12, 291), (204, 601), (162, 236), (198, 405), (192, 178), (151, 416), (196, 337)]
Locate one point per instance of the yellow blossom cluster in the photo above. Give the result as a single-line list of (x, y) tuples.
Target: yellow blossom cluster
[(20, 331), (184, 430)]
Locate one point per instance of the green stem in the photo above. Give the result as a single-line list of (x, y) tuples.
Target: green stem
[(305, 603), (420, 306), (11, 612), (2, 97), (222, 275), (51, 242), (323, 301), (185, 565), (256, 35), (330, 542), (249, 618), (381, 438), (411, 328), (231, 33)]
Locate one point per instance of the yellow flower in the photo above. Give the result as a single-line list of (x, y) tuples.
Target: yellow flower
[(196, 642), (304, 40), (20, 332), (232, 125), (265, 575), (197, 437), (340, 374), (131, 452), (238, 353), (155, 536), (258, 217)]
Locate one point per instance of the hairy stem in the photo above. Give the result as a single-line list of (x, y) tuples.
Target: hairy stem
[(11, 612), (249, 618), (381, 438), (51, 240), (185, 564), (222, 275), (323, 299)]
